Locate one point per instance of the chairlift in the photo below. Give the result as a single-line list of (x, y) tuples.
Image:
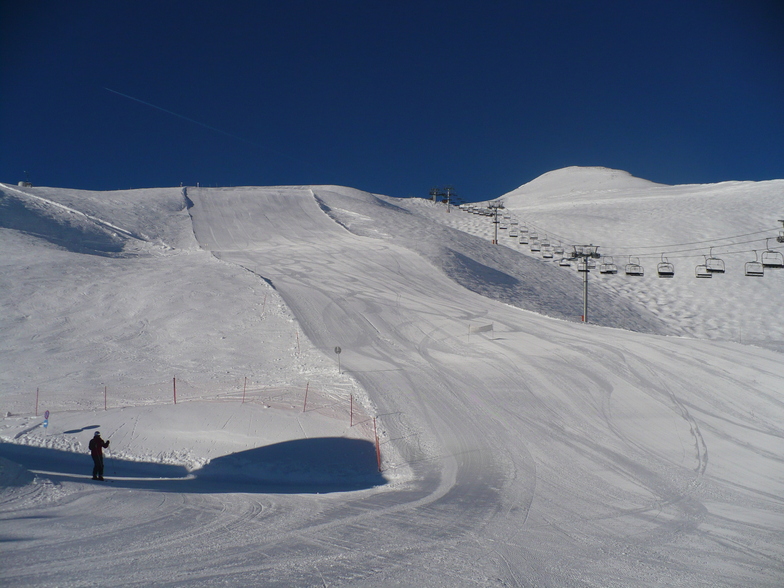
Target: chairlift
[(524, 229), (533, 236), (536, 246), (513, 232), (547, 252), (755, 269), (545, 241), (714, 264), (591, 263), (702, 271), (607, 266), (514, 222), (558, 249), (633, 268), (564, 262), (523, 239), (665, 269), (772, 258)]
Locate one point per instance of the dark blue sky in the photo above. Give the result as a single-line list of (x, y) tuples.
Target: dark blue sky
[(392, 97)]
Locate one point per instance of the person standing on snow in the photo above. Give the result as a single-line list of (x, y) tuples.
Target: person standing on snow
[(96, 446)]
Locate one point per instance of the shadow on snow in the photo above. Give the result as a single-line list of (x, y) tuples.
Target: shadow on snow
[(302, 466)]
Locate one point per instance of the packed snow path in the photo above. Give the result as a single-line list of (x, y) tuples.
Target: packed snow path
[(542, 453)]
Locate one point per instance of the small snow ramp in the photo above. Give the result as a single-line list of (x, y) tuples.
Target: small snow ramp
[(242, 219)]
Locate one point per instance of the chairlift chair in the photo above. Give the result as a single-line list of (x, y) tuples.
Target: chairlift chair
[(772, 258), (607, 266), (536, 246), (545, 241), (558, 249), (513, 232), (524, 239), (702, 271), (533, 236), (591, 263), (755, 269), (714, 265), (524, 229), (564, 262), (665, 269), (547, 252), (633, 268)]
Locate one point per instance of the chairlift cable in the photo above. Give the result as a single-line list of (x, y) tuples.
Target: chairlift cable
[(654, 253), (660, 248), (665, 248), (738, 252), (705, 241)]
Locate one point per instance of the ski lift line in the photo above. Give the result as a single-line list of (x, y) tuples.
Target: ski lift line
[(738, 252), (666, 248), (540, 229), (652, 254), (689, 249), (705, 241), (661, 247)]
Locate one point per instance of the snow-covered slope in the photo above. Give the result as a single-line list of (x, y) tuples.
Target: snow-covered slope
[(633, 218), (519, 447)]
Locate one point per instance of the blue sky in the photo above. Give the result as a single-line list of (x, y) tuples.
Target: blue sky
[(391, 97)]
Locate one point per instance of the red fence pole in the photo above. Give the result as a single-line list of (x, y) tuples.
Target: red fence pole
[(304, 404), (174, 386)]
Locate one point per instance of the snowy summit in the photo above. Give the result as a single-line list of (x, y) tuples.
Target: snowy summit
[(318, 386)]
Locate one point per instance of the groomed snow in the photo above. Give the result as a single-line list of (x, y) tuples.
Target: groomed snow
[(519, 447)]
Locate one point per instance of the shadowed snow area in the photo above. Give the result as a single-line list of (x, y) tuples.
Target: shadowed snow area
[(518, 446), (300, 466)]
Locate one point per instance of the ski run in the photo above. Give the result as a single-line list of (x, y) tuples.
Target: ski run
[(318, 386)]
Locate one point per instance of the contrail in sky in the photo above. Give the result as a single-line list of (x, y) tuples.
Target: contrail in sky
[(177, 115)]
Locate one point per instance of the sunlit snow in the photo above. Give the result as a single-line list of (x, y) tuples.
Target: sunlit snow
[(518, 445)]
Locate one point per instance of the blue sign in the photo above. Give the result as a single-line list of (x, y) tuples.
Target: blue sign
[(46, 423)]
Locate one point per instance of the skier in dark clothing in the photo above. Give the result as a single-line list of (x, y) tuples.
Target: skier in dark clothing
[(96, 446)]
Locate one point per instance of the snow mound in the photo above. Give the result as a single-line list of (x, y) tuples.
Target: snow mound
[(575, 180), (12, 474)]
